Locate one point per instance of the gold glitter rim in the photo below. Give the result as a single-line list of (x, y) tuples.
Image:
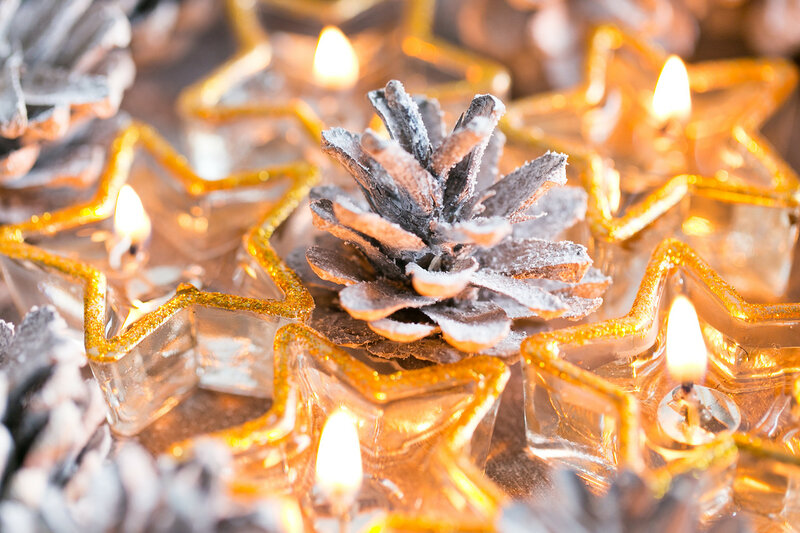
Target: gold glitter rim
[(779, 75), (297, 302), (541, 353), (202, 101), (279, 424)]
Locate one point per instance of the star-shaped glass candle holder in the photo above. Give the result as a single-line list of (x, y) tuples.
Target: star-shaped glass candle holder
[(603, 395), (390, 39), (274, 73), (684, 161), (154, 295), (423, 434)]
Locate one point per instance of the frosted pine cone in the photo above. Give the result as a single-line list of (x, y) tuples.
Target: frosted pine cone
[(439, 244), (547, 37), (628, 507), (65, 172), (133, 493), (52, 429), (62, 61), (773, 26)]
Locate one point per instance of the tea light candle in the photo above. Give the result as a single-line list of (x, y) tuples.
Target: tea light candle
[(335, 61), (672, 100), (670, 110), (339, 472), (132, 230), (692, 414)]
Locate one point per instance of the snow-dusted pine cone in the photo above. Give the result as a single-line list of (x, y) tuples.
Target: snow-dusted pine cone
[(439, 244), (55, 471), (773, 26), (61, 61), (52, 430), (134, 493), (545, 39), (628, 507), (64, 173)]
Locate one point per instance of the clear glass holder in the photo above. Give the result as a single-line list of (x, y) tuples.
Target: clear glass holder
[(185, 337), (592, 391), (717, 184), (437, 420), (270, 76)]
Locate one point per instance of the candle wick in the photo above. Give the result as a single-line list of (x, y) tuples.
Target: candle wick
[(689, 405)]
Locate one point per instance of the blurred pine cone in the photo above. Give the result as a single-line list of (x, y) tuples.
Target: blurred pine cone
[(55, 475), (773, 26), (545, 39), (134, 493), (628, 507), (64, 174), (439, 243), (63, 62), (52, 430)]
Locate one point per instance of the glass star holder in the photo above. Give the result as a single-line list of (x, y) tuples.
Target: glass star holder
[(273, 74), (163, 306), (423, 435), (601, 396), (382, 33), (665, 152)]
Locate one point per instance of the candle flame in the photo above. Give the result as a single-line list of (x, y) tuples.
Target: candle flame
[(335, 61), (686, 350), (130, 219), (672, 98), (339, 471)]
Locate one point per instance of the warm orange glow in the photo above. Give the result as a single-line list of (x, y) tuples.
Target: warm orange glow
[(672, 98), (686, 350), (130, 220), (335, 61), (339, 471)]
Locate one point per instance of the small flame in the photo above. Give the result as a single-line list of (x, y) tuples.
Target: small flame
[(672, 98), (339, 472), (686, 350), (335, 61), (130, 219)]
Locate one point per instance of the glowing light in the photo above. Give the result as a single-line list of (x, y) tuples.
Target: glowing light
[(698, 226), (335, 61), (686, 350), (672, 98), (131, 222), (339, 471)]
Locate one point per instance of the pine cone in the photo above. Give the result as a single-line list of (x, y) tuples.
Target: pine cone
[(62, 61), (135, 494), (164, 29), (439, 243), (535, 37), (51, 432), (773, 26), (628, 507), (64, 173)]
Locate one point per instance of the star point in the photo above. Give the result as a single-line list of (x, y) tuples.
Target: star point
[(448, 403), (603, 125), (27, 244), (573, 356)]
